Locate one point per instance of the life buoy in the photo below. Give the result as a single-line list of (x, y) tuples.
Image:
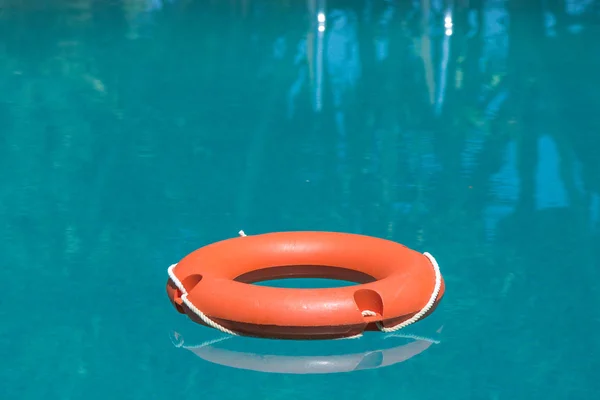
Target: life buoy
[(397, 285)]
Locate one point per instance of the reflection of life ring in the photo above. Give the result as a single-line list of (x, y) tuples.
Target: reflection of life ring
[(398, 285), (382, 356)]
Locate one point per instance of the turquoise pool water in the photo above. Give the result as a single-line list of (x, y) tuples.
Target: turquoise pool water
[(133, 132)]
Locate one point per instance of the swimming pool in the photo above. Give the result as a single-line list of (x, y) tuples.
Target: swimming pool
[(133, 132)]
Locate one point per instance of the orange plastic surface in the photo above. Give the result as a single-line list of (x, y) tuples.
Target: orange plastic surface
[(396, 283)]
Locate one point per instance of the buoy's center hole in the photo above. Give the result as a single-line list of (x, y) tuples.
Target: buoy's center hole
[(305, 283), (305, 277)]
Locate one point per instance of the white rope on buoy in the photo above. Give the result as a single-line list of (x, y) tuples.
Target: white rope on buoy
[(424, 310), (192, 307)]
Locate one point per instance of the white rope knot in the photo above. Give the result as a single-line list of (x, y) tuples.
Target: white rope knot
[(365, 313)]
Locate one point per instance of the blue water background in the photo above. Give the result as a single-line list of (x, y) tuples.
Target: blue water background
[(133, 132)]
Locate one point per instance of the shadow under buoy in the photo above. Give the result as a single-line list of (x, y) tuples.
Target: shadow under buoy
[(307, 357)]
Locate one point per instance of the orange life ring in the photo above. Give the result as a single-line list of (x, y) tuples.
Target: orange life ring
[(398, 286)]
